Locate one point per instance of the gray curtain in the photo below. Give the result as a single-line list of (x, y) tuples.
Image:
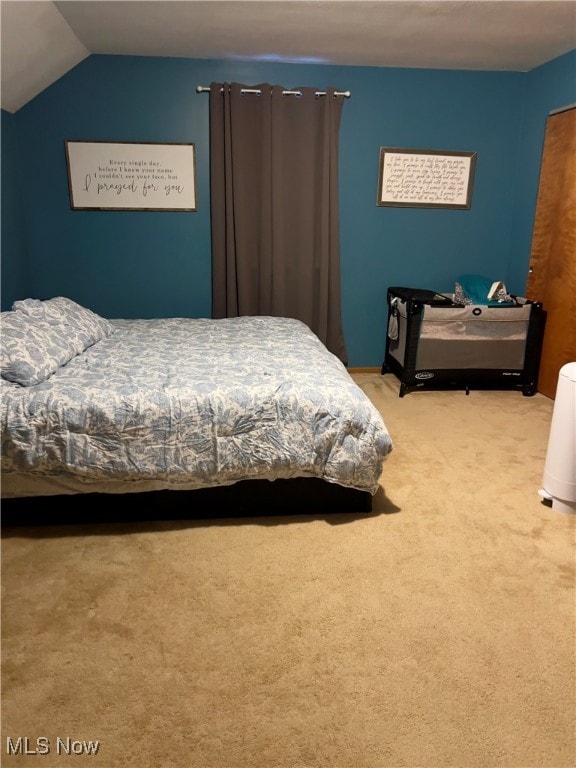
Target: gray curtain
[(275, 209)]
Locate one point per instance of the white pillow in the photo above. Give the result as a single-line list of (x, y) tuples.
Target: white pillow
[(40, 336), (80, 321), (33, 348)]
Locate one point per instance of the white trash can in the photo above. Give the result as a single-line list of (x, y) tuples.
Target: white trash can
[(560, 468)]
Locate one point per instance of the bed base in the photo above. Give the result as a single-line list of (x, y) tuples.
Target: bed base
[(297, 496)]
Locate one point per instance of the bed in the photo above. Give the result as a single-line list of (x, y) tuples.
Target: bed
[(248, 407)]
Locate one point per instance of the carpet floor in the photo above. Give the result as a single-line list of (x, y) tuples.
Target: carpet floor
[(437, 631)]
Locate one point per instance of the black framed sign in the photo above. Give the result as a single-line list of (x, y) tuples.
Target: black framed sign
[(131, 176), (425, 178)]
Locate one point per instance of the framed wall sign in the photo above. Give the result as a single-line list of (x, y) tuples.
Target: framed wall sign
[(425, 178), (126, 176)]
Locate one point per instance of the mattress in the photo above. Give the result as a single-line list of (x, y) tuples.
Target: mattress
[(192, 403)]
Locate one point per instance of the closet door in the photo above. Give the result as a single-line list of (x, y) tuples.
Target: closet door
[(552, 277)]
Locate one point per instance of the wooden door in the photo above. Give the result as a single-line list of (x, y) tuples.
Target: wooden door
[(552, 277)]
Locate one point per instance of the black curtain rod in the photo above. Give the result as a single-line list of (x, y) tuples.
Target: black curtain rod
[(346, 94)]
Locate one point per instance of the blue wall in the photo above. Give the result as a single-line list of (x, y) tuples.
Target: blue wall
[(138, 264), (15, 272)]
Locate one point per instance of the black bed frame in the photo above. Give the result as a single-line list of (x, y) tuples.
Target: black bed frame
[(297, 496)]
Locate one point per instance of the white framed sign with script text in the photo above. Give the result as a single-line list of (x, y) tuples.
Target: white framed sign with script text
[(131, 176), (425, 178)]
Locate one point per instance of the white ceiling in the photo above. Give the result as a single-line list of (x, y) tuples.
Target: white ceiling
[(42, 40)]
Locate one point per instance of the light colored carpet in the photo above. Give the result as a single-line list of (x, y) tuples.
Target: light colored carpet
[(437, 631)]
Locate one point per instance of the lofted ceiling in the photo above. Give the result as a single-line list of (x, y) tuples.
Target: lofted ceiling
[(43, 40)]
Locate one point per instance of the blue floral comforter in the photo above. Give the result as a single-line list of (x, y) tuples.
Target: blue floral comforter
[(197, 401)]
